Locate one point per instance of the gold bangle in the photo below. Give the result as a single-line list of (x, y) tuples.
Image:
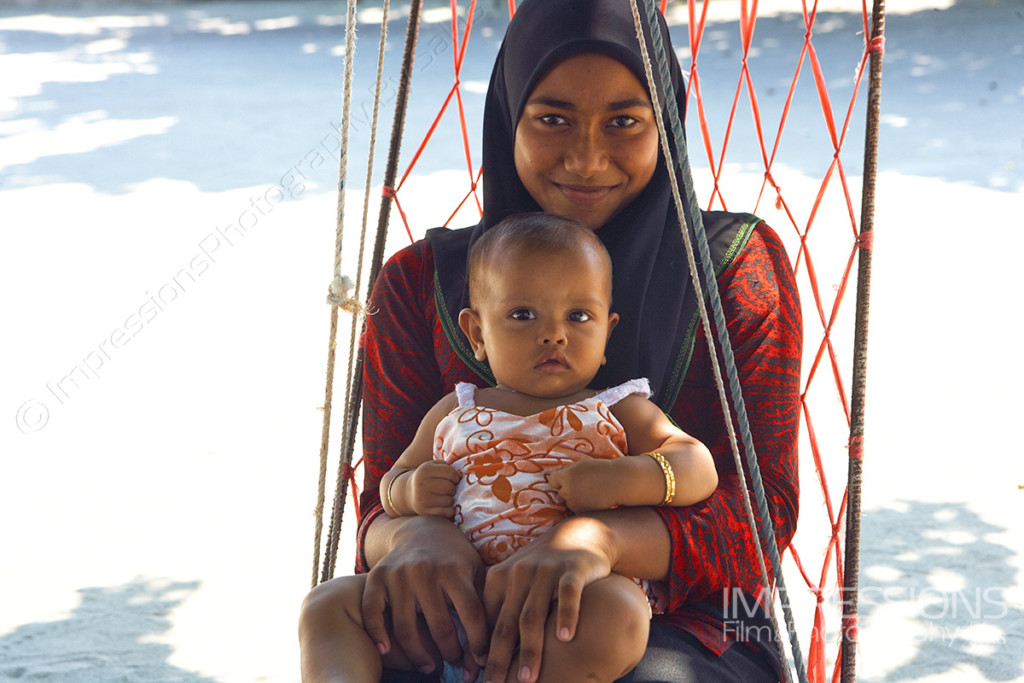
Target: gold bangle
[(670, 476), (387, 492)]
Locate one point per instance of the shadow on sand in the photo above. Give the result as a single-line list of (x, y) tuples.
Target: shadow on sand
[(934, 578), (108, 638)]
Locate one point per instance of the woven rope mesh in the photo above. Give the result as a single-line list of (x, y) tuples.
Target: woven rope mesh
[(775, 122)]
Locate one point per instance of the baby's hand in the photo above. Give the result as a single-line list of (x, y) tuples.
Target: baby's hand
[(587, 485), (431, 489)]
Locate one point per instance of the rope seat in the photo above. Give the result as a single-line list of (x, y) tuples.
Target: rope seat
[(343, 291)]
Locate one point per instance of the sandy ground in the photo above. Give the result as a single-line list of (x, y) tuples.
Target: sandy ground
[(167, 205)]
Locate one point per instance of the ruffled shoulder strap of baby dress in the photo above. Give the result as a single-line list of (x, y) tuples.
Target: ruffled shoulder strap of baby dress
[(613, 395), (466, 393)]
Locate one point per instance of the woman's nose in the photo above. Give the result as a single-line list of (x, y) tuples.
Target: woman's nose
[(586, 155)]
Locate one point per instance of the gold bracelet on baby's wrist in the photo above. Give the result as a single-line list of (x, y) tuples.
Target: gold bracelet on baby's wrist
[(387, 492), (670, 476)]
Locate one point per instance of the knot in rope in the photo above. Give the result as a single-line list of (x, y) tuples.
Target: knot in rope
[(866, 240), (877, 44), (850, 626), (778, 190), (856, 447), (342, 295)]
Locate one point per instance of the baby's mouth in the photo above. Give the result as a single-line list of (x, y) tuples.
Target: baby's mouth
[(553, 362)]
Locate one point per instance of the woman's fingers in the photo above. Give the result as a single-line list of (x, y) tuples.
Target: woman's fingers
[(532, 619), (404, 623), (567, 614), (442, 629), (373, 605), (434, 568), (503, 610), (517, 596), (474, 623), (519, 591)]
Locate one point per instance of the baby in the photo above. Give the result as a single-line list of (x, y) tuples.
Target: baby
[(507, 462)]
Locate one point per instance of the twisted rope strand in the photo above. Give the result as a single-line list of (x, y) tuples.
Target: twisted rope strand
[(851, 580), (376, 261), (695, 221), (325, 430), (359, 310)]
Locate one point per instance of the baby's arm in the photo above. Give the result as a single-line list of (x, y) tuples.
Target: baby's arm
[(599, 484), (417, 484)]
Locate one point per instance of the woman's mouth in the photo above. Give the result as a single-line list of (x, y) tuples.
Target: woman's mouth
[(584, 194)]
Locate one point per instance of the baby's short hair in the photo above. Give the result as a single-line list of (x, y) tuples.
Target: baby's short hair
[(532, 233)]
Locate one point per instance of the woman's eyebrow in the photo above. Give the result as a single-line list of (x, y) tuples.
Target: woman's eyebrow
[(629, 104), (556, 103), (552, 102)]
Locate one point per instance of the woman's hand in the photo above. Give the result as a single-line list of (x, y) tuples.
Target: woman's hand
[(431, 565), (518, 593)]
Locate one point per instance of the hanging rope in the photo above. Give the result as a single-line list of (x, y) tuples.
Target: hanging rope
[(851, 581), (345, 468), (337, 287), (343, 291), (694, 219)]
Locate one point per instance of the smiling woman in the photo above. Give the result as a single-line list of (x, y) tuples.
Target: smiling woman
[(587, 143)]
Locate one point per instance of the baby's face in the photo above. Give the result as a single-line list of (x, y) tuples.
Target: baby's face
[(544, 321)]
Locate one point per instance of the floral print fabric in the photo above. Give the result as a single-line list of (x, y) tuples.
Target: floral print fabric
[(504, 500)]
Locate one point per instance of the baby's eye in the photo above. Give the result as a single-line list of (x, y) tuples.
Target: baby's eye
[(579, 316), (522, 314)]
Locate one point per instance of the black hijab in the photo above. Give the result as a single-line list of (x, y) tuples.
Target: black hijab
[(651, 289)]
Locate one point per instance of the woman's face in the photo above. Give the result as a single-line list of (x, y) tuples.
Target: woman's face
[(587, 142)]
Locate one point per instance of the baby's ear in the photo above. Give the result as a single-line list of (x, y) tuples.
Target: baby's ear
[(613, 320), (469, 321)]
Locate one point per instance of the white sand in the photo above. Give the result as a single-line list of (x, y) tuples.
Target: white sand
[(162, 369)]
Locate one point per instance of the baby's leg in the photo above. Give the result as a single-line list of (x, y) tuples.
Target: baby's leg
[(611, 637), (333, 645)]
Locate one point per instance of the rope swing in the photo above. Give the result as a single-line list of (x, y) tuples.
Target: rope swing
[(692, 219), (344, 294)]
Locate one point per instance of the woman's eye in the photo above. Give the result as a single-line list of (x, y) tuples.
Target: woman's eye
[(522, 314), (579, 316), (623, 122), (552, 119)]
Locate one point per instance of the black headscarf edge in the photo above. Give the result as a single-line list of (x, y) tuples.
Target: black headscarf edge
[(652, 289)]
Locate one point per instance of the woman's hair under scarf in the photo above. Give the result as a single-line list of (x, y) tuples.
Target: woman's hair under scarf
[(651, 278)]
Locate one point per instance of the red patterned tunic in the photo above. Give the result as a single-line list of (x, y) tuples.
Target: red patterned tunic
[(410, 365)]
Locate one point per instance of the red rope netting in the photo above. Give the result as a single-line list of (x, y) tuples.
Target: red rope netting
[(795, 179)]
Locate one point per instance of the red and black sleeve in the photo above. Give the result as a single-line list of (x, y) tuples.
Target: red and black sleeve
[(712, 541)]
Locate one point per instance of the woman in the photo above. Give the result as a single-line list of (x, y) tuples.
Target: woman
[(569, 128)]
